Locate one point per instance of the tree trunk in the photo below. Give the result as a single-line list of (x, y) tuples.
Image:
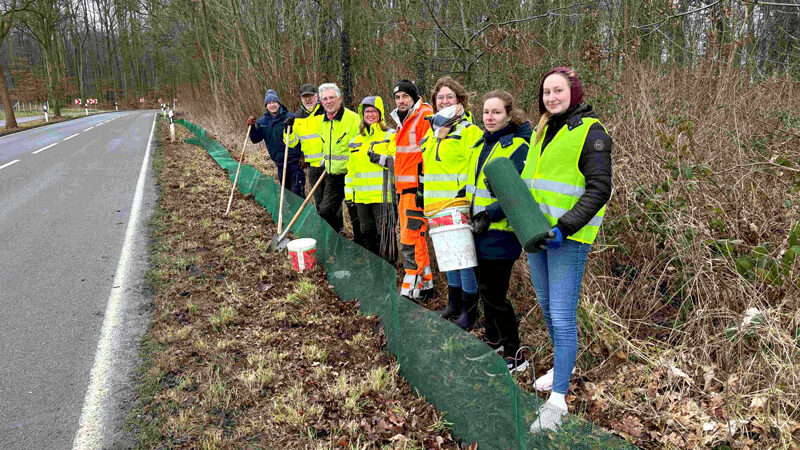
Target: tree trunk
[(11, 120)]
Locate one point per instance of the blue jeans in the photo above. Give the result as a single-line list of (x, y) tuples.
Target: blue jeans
[(464, 278), (556, 275)]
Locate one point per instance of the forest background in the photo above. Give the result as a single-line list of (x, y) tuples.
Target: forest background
[(690, 311)]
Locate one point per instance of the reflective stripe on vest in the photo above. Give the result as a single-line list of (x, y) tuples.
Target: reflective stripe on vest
[(307, 129), (556, 182), (408, 152), (477, 193), (446, 161), (368, 179)]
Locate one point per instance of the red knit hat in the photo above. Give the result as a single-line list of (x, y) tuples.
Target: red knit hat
[(575, 87)]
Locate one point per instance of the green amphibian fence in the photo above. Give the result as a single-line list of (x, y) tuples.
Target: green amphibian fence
[(453, 370)]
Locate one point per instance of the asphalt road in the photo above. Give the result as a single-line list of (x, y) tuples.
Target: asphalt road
[(66, 196)]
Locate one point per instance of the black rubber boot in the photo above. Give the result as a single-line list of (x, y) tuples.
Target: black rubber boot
[(469, 311), (453, 303)]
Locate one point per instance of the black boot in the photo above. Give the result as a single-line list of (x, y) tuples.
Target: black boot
[(453, 303), (469, 311)]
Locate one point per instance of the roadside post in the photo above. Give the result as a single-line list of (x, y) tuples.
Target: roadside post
[(44, 108), (116, 108), (171, 125)]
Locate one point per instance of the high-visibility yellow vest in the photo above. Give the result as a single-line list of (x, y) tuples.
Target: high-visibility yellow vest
[(555, 181), (446, 162), (477, 193), (305, 130), (336, 135), (367, 182)]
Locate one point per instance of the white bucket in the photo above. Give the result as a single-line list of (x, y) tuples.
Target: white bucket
[(302, 254), (454, 247)]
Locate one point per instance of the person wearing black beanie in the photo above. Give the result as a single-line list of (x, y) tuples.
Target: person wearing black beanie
[(417, 284)]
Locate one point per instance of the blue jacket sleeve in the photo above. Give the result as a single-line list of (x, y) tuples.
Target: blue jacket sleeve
[(494, 210), (256, 135)]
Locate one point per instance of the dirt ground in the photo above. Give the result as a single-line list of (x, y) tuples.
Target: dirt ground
[(243, 352)]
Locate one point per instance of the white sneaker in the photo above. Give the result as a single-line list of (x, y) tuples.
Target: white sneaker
[(545, 382), (550, 418)]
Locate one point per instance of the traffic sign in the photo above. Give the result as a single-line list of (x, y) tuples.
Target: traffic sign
[(77, 101), (141, 100)]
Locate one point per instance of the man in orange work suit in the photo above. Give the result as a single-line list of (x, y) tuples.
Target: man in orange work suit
[(411, 128)]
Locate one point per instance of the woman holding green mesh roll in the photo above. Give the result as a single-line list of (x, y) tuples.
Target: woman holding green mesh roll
[(568, 170), (496, 245)]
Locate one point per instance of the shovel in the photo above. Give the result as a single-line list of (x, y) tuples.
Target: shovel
[(280, 241), (283, 181), (236, 178)]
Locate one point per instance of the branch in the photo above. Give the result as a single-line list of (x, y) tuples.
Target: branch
[(757, 2), (527, 19), (640, 27), (441, 28)]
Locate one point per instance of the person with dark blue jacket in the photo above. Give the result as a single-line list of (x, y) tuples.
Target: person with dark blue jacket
[(270, 129), (506, 136)]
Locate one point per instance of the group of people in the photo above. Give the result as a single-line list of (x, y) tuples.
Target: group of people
[(437, 154)]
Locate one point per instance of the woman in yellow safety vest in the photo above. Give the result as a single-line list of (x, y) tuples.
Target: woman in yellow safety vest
[(369, 185), (446, 151), (495, 243), (568, 170)]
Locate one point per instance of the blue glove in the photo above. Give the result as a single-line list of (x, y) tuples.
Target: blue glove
[(553, 240)]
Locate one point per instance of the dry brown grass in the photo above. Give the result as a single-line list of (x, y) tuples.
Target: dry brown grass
[(245, 353), (690, 330)]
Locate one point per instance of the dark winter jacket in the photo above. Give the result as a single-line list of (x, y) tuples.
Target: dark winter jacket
[(270, 128), (594, 164), (496, 244)]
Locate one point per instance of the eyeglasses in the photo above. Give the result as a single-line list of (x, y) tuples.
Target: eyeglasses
[(448, 97)]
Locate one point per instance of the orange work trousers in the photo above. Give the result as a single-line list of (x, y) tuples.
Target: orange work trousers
[(414, 248)]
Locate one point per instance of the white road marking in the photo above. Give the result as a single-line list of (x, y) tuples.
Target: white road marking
[(87, 129), (45, 148), (91, 428), (9, 163), (68, 138)]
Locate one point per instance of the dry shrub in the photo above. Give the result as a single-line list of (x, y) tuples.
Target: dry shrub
[(689, 313)]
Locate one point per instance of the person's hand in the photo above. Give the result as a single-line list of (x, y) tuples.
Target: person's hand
[(350, 204), (480, 222), (374, 158), (251, 120), (289, 121), (553, 240), (303, 163)]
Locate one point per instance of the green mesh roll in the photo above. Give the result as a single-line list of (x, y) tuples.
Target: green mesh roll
[(521, 209)]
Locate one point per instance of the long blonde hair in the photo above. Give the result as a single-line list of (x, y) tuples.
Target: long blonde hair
[(540, 128)]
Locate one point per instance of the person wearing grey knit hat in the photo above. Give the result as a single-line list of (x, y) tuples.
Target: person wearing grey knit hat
[(271, 128)]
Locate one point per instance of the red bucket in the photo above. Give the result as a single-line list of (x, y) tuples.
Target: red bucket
[(303, 254)]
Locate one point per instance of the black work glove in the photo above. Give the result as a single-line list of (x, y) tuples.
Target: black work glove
[(374, 158), (480, 222), (350, 204), (419, 199), (289, 121)]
